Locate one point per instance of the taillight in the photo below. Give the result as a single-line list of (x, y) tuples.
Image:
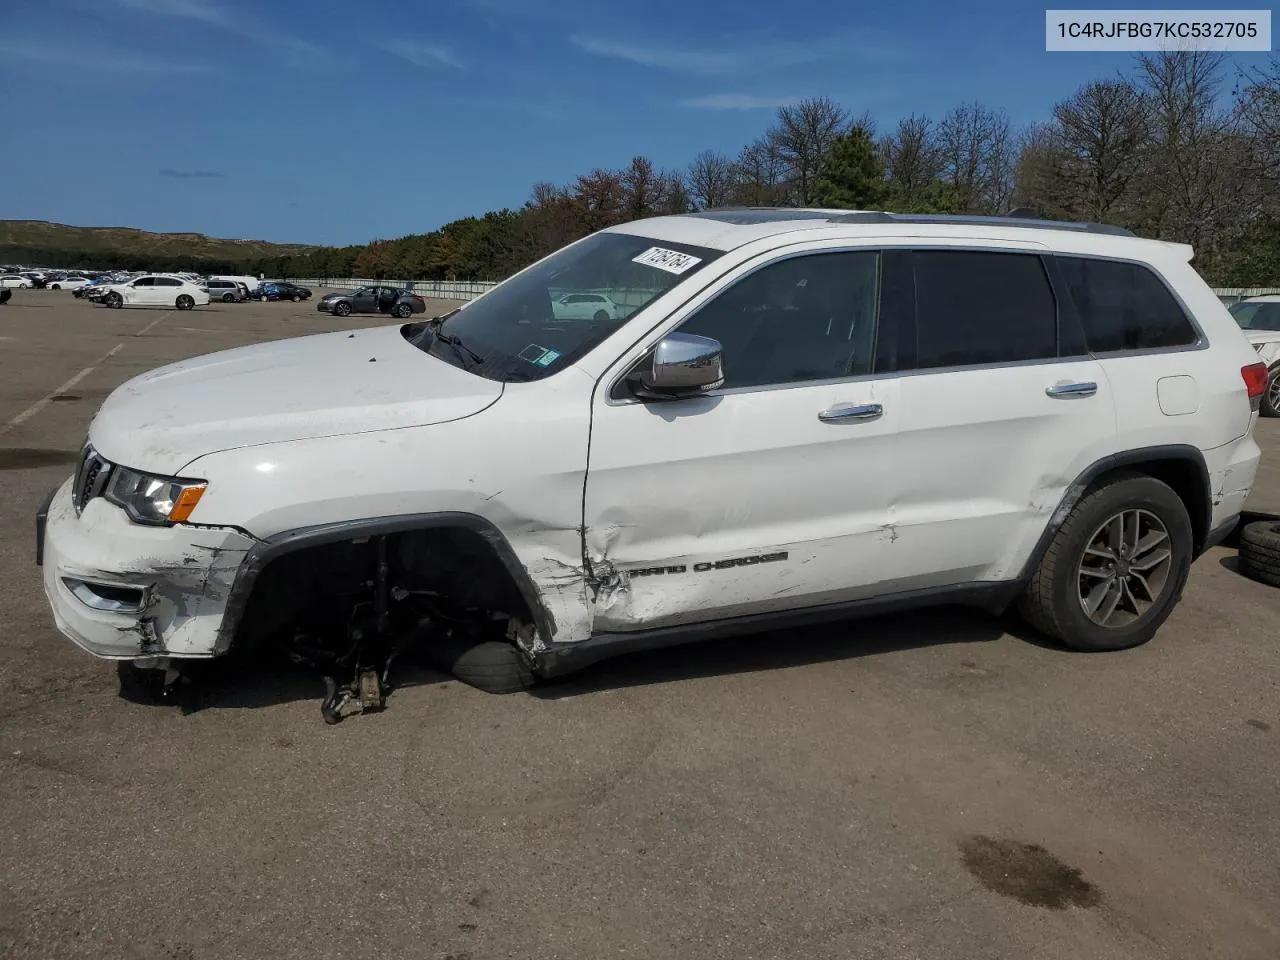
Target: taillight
[(1255, 382), (419, 299)]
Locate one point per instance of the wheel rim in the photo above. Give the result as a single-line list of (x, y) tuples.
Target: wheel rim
[(1125, 568), (1273, 390)]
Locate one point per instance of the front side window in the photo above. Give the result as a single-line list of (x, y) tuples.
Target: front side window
[(979, 307), (810, 317), (1257, 315), (514, 332), (145, 282), (1124, 306)]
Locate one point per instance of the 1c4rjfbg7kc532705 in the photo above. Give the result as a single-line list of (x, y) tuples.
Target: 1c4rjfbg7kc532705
[(782, 416)]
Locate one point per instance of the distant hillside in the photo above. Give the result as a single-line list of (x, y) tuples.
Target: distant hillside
[(40, 243)]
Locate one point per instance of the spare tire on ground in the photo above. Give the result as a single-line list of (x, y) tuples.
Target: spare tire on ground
[(1260, 551)]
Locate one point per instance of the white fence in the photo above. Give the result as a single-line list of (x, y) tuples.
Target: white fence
[(441, 289)]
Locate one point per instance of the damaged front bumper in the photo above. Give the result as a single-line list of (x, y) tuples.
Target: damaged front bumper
[(124, 591)]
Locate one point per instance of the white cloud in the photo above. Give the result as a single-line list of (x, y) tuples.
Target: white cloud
[(737, 101), (423, 54), (241, 25), (71, 57), (743, 55)]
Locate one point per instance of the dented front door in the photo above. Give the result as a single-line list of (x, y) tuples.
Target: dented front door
[(759, 497)]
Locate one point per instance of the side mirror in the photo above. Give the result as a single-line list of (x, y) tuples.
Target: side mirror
[(683, 365)]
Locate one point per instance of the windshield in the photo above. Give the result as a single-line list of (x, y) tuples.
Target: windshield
[(1257, 315), (544, 319)]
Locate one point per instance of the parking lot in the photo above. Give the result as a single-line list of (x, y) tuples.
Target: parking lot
[(932, 785)]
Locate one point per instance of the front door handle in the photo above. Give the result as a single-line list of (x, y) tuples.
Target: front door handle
[(851, 411), (1069, 390)]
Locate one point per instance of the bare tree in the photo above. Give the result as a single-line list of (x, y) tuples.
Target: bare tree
[(642, 189), (711, 180), (601, 199), (1257, 99), (912, 160), (803, 136), (1100, 135), (1190, 180), (759, 174), (978, 156)]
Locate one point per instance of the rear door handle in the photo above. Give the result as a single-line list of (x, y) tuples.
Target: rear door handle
[(1069, 390), (851, 411)]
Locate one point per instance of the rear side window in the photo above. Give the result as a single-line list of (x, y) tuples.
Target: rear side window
[(167, 282), (975, 307), (1124, 306)]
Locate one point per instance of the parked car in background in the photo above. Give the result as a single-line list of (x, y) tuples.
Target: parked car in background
[(37, 278), (154, 290), (13, 280), (228, 291), (68, 283), (584, 306), (248, 281), (1259, 318), (395, 301), (283, 290)]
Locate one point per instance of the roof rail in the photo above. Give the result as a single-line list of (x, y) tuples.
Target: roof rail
[(1015, 218)]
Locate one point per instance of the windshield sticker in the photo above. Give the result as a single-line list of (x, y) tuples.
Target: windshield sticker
[(672, 261), (548, 358), (532, 353)]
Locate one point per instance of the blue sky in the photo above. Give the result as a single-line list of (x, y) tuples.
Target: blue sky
[(339, 122)]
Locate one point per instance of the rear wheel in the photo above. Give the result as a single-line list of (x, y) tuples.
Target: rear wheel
[(296, 298), (403, 310), (184, 302), (1116, 567), (1271, 398), (342, 309), (228, 298), (600, 315)]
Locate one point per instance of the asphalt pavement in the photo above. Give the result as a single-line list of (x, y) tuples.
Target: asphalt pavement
[(931, 785)]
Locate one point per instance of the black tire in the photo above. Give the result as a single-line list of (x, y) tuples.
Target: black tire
[(228, 298), (403, 310), (600, 315), (1260, 551), (113, 300), (56, 286), (342, 309), (296, 298), (185, 302), (494, 667), (1270, 406), (1052, 601)]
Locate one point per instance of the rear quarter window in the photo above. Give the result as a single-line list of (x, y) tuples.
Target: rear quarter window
[(1124, 306)]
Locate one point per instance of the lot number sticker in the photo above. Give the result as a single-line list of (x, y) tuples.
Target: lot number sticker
[(672, 261)]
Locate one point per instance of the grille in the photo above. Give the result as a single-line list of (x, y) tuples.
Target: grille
[(91, 478)]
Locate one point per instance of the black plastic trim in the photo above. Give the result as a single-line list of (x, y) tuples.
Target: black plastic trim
[(42, 521), (1116, 461), (565, 658), (289, 541)]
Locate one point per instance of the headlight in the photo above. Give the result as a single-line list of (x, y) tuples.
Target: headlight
[(154, 500)]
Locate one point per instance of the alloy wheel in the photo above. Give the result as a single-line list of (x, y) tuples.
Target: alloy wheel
[(1125, 568)]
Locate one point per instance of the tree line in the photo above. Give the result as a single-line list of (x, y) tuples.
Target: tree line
[(1180, 147)]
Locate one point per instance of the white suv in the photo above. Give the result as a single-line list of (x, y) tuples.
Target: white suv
[(808, 414)]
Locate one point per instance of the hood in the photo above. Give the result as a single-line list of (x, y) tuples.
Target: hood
[(334, 383)]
